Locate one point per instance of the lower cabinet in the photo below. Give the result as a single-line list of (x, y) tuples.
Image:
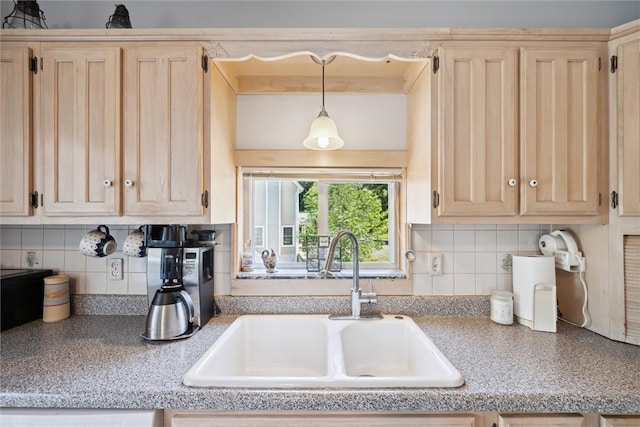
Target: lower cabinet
[(282, 419), (355, 419), (524, 420)]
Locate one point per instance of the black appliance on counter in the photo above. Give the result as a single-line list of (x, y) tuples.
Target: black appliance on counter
[(21, 296)]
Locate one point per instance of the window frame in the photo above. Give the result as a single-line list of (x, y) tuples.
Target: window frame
[(391, 176)]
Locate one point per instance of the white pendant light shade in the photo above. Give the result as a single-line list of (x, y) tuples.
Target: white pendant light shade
[(323, 134)]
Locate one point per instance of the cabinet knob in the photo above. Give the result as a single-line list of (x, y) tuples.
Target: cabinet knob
[(533, 183), (128, 183), (512, 182), (107, 183)]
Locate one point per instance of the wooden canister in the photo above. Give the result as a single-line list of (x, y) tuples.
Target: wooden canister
[(56, 305)]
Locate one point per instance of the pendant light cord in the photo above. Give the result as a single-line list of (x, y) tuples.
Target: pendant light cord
[(323, 62)]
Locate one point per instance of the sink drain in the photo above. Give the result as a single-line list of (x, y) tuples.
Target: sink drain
[(366, 375)]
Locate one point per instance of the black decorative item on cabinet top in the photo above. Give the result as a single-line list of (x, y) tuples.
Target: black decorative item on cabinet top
[(25, 14), (120, 18)]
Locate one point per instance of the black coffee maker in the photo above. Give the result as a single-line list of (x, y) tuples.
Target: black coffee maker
[(171, 312), (179, 283)]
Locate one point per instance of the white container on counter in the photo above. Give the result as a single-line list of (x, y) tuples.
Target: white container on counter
[(502, 307)]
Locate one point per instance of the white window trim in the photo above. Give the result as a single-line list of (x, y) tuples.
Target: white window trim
[(343, 175)]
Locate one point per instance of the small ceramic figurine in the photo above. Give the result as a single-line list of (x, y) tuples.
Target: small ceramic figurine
[(269, 260)]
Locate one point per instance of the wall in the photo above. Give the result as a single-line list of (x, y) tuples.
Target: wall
[(473, 257), (365, 121), (56, 247), (344, 13)]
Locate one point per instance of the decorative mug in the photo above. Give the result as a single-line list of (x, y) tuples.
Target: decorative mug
[(134, 244), (269, 260), (98, 243)]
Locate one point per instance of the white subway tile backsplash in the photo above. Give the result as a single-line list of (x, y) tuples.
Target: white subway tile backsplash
[(421, 240), (464, 262), (464, 284), (72, 237), (485, 262), (473, 256), (486, 241), (137, 264), (464, 240), (138, 283), (485, 283), (528, 240), (443, 285), (422, 284), (96, 283), (507, 241), (11, 238), (96, 265), (53, 239), (478, 251), (32, 237), (11, 258), (74, 261), (442, 241), (53, 260)]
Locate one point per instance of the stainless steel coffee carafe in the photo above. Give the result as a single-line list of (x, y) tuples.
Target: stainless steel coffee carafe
[(170, 313)]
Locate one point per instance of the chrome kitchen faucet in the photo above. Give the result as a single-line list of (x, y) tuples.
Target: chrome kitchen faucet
[(357, 296)]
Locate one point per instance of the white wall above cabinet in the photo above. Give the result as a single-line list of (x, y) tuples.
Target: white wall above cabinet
[(281, 122)]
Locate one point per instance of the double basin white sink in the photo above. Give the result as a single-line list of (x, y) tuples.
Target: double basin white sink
[(312, 351)]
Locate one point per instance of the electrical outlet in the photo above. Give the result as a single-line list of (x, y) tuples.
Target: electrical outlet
[(434, 263), (116, 269)]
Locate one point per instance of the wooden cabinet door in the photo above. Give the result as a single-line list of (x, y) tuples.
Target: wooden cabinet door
[(16, 133), (163, 130), (80, 92), (283, 419), (628, 127), (556, 420), (559, 131), (477, 141)]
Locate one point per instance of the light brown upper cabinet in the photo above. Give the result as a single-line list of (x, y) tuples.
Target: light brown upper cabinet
[(516, 136), (80, 128), (16, 131), (560, 132), (626, 63), (163, 131), (477, 138)]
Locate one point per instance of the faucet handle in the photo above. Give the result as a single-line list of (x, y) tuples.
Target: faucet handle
[(368, 297)]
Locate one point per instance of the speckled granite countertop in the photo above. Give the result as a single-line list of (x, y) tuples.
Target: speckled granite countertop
[(101, 362)]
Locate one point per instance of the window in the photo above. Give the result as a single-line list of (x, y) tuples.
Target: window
[(290, 209), (259, 237), (287, 236)]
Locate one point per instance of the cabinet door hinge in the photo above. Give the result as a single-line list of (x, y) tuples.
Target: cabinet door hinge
[(205, 199), (435, 199), (614, 200), (599, 63), (205, 63), (33, 65), (435, 61), (33, 199), (614, 63)]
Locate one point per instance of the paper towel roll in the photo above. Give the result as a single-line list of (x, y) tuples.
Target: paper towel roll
[(527, 272)]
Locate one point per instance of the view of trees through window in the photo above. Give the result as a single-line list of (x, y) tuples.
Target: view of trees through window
[(361, 208), (290, 213)]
